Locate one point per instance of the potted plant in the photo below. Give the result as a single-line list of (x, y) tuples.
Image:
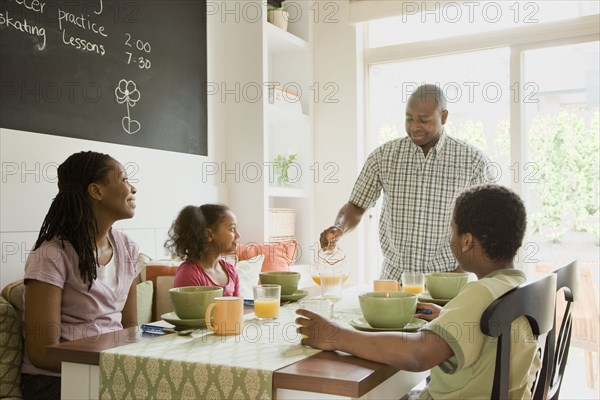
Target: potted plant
[(282, 164)]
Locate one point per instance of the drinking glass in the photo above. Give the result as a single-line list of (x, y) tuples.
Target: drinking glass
[(267, 299), (413, 282), (318, 306), (331, 287)]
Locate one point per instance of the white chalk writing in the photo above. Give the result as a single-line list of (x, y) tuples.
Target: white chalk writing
[(25, 27)]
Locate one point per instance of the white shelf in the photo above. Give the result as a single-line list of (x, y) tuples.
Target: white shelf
[(278, 191), (282, 114), (280, 41)]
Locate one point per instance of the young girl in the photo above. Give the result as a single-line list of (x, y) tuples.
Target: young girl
[(199, 236), (79, 276)]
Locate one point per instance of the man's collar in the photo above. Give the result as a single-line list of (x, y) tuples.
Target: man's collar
[(438, 146)]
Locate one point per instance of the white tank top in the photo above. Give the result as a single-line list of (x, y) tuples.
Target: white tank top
[(108, 274)]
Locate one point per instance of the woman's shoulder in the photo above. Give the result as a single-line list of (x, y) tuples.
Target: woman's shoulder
[(121, 237), (54, 247)]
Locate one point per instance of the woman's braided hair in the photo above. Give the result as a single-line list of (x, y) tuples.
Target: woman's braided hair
[(70, 216)]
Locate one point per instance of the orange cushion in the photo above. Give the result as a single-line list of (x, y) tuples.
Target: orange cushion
[(153, 273), (278, 255)]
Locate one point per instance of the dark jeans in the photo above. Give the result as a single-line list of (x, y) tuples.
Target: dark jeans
[(40, 387)]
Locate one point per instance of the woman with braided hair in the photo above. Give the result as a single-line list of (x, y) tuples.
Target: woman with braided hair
[(79, 278)]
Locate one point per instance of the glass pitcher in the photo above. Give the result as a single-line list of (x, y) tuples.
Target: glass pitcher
[(330, 262)]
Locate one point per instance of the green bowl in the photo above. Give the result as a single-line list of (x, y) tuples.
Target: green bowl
[(388, 309), (445, 285), (287, 279), (190, 302)]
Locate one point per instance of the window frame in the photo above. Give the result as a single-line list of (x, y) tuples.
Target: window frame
[(518, 40)]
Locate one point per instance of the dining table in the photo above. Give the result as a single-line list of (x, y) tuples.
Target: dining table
[(267, 361)]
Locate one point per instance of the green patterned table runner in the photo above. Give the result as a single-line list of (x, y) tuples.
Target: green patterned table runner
[(204, 366)]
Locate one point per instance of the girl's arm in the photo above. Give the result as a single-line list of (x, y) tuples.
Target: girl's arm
[(42, 322)]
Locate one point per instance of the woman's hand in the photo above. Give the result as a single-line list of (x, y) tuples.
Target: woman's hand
[(317, 331), (433, 311)]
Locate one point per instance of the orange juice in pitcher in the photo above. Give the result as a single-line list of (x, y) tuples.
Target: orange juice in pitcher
[(330, 262)]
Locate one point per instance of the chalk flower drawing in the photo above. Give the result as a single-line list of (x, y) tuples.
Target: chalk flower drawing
[(127, 92)]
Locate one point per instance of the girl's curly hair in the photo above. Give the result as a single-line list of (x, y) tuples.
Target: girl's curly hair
[(187, 237)]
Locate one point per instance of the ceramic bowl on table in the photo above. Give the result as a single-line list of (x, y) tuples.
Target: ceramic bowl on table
[(388, 309), (287, 279), (445, 285), (190, 302)]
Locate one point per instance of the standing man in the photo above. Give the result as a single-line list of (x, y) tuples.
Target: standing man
[(419, 175)]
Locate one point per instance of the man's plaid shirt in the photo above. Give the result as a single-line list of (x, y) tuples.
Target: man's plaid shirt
[(418, 195)]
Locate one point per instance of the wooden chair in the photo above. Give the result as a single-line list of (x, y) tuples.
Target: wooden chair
[(534, 300), (585, 315), (554, 367)]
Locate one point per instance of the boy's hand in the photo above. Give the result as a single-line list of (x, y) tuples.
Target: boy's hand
[(318, 332), (427, 311)]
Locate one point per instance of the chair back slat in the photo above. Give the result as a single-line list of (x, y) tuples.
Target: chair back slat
[(555, 361), (534, 300)]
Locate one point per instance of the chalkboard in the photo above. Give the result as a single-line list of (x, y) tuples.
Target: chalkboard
[(127, 72)]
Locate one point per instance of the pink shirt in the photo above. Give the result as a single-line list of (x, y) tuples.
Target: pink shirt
[(190, 274), (83, 313)]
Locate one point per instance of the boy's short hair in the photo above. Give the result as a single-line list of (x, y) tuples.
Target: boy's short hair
[(495, 215)]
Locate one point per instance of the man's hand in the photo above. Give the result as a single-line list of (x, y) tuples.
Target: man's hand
[(330, 236), (317, 331)]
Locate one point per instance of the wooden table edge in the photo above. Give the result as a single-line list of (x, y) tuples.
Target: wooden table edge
[(337, 382), (87, 350)]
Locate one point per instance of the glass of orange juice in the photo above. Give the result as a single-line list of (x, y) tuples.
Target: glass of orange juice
[(267, 299), (413, 282)]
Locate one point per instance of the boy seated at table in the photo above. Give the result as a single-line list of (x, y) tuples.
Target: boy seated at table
[(488, 224)]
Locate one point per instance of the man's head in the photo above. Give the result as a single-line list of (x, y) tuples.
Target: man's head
[(425, 114)]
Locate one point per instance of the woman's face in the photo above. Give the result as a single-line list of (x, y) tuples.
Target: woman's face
[(225, 234), (117, 194)]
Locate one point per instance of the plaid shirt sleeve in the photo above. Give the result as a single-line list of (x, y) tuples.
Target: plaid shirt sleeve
[(367, 188), (482, 172)]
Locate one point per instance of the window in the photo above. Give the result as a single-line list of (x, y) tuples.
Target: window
[(477, 90), (533, 108), (422, 21)]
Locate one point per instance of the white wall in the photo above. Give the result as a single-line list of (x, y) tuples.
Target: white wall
[(338, 130), (166, 181)]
